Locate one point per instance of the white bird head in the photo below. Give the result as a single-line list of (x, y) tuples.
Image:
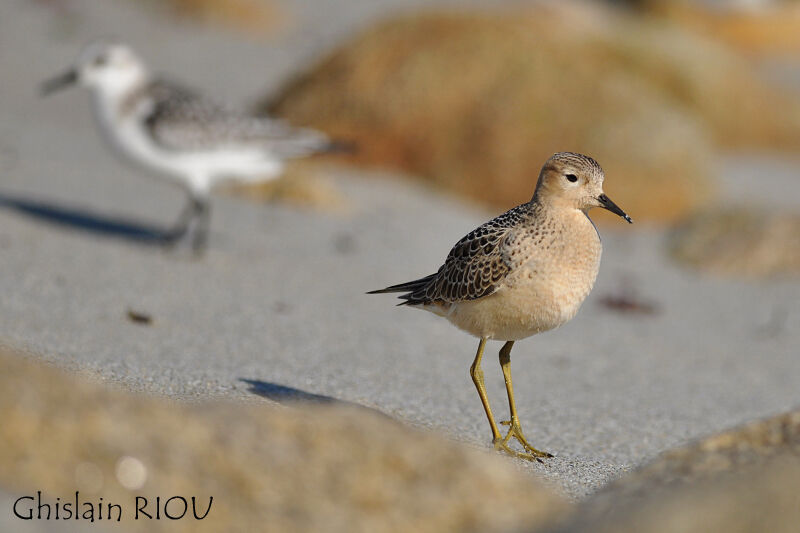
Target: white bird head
[(108, 67)]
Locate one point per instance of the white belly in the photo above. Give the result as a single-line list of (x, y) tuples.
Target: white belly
[(197, 170)]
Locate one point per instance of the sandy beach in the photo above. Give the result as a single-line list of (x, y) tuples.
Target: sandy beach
[(276, 310)]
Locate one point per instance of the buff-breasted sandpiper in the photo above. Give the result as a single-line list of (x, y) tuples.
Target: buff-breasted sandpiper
[(522, 273)]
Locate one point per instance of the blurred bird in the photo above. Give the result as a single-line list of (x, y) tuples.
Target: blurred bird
[(522, 273), (178, 134)]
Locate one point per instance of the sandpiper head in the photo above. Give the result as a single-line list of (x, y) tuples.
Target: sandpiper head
[(574, 180), (105, 66)]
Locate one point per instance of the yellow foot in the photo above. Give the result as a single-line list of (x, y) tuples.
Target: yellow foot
[(515, 430)]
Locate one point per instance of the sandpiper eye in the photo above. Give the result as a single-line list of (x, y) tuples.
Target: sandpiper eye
[(572, 178)]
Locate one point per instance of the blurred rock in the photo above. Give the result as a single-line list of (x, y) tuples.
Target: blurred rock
[(733, 450), (268, 468), (743, 480), (755, 500), (299, 186), (476, 101), (251, 15), (763, 27), (740, 241)]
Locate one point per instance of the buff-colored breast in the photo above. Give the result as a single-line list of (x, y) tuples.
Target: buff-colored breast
[(556, 264)]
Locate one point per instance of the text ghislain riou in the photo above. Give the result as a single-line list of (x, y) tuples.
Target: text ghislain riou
[(143, 508)]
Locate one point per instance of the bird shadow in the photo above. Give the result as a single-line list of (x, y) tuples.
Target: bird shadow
[(291, 396), (85, 221)]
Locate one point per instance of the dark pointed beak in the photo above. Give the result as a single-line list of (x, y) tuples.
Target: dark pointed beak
[(606, 203), (62, 81)]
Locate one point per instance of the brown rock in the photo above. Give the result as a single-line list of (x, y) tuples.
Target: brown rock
[(268, 468), (252, 15), (754, 500), (474, 102), (766, 28), (743, 480), (300, 186), (740, 241)]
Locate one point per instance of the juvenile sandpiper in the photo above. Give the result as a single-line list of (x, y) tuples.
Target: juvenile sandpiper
[(522, 273), (176, 133)]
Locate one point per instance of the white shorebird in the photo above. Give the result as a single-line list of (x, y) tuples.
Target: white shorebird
[(176, 133), (522, 273)]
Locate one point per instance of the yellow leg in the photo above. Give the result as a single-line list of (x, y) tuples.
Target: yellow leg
[(514, 430), (477, 378)]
